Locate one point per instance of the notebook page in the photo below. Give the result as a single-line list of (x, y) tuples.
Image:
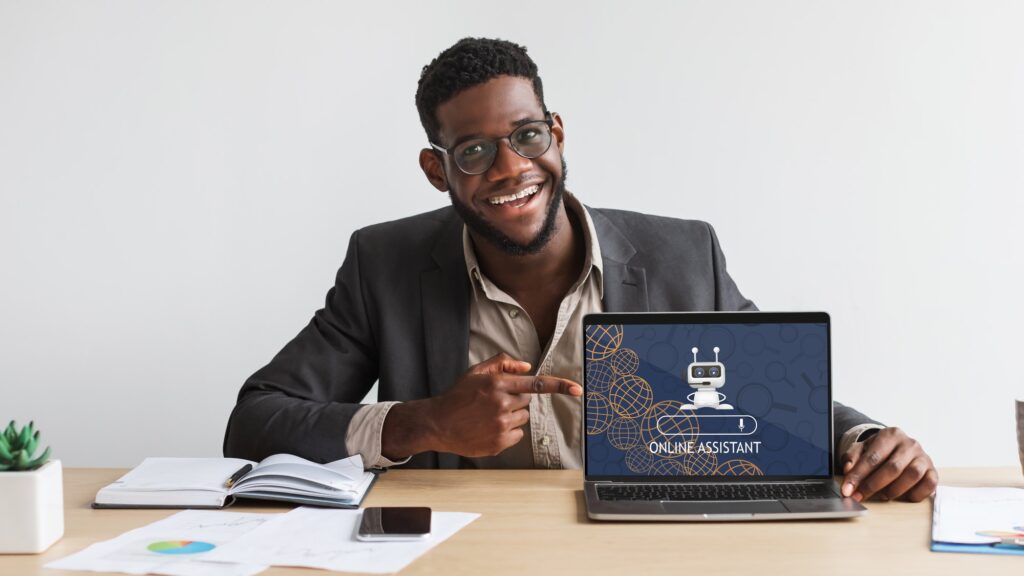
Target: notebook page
[(156, 474), (285, 470)]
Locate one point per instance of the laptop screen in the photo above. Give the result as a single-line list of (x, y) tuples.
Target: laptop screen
[(713, 395)]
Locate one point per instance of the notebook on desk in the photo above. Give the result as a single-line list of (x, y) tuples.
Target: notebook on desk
[(218, 482), (709, 416), (978, 520)]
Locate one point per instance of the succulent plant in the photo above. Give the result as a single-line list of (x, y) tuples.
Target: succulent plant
[(17, 448)]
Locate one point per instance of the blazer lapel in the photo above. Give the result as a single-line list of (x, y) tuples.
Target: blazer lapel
[(445, 304), (625, 286)]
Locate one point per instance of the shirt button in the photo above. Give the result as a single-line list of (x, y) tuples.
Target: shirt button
[(476, 274), (545, 440), (513, 313)]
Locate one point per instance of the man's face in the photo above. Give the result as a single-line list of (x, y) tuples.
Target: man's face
[(493, 110)]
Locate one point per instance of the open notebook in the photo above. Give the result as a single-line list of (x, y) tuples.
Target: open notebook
[(203, 483)]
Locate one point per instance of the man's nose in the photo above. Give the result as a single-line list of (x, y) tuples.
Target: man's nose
[(507, 163)]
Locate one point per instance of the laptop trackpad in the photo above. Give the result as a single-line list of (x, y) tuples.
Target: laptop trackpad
[(758, 507)]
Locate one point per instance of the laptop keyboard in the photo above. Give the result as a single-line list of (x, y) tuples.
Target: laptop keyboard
[(683, 492)]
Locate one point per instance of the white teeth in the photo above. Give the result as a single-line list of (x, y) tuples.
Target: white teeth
[(521, 194)]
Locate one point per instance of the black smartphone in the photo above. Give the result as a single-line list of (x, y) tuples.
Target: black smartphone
[(394, 524)]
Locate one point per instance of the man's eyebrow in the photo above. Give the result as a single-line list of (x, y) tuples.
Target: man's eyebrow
[(462, 139), (474, 136), (525, 120)]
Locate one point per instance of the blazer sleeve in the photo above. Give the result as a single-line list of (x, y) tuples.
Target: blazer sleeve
[(843, 419), (728, 297), (302, 401)]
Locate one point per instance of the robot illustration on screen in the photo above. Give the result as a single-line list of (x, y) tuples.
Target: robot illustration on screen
[(706, 378)]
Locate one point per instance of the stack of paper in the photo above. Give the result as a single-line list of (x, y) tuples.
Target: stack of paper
[(204, 543), (978, 520), (318, 538)]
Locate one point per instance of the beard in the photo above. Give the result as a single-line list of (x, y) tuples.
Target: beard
[(483, 228)]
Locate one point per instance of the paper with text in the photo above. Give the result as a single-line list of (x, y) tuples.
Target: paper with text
[(319, 538), (975, 515), (175, 546)]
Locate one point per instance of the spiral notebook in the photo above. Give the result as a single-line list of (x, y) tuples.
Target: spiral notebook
[(218, 482)]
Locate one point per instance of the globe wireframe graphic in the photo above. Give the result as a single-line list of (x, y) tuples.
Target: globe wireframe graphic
[(624, 361), (639, 459), (602, 341), (630, 396), (599, 413), (738, 467), (599, 376), (623, 434), (683, 427), (701, 463), (669, 468)]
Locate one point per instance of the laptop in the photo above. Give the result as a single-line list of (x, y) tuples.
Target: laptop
[(709, 416)]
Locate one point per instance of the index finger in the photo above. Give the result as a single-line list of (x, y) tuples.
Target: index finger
[(872, 456), (541, 385)]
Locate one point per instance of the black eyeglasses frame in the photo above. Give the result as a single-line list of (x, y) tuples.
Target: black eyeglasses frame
[(548, 119)]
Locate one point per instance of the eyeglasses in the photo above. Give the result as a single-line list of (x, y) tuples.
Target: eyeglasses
[(476, 156)]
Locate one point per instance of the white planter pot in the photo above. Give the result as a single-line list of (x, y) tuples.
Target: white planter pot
[(32, 505)]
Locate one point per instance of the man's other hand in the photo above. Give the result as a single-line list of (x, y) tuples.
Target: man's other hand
[(887, 466)]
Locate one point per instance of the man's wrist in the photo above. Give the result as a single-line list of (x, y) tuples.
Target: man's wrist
[(854, 435), (409, 428), (867, 434)]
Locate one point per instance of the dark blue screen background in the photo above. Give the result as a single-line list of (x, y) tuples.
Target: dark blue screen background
[(776, 373)]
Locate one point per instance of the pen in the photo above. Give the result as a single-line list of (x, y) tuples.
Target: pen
[(238, 475)]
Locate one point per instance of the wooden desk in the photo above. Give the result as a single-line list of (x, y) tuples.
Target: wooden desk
[(534, 522)]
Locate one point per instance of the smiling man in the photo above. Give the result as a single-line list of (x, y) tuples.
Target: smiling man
[(469, 317)]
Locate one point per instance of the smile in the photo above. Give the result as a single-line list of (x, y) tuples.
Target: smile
[(524, 193)]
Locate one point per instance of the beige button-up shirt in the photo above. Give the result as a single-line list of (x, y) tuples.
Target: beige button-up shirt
[(497, 323)]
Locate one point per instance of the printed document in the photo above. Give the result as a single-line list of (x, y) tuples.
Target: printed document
[(326, 539), (175, 546), (978, 520)]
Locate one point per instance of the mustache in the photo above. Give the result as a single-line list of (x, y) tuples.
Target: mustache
[(521, 179)]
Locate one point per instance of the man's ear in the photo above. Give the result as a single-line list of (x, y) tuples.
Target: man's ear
[(433, 169), (558, 131)]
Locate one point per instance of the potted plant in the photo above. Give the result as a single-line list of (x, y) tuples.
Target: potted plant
[(31, 493)]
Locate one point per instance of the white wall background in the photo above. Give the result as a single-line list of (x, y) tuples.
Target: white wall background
[(178, 181)]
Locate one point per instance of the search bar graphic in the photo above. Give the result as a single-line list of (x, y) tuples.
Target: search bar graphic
[(708, 425)]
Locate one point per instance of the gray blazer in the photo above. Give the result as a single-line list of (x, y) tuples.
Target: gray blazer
[(398, 314)]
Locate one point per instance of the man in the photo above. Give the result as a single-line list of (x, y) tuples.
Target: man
[(470, 316)]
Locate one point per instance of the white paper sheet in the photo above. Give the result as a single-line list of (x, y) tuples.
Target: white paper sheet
[(319, 538), (960, 513), (160, 548)]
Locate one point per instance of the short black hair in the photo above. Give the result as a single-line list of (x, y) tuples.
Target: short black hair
[(467, 63)]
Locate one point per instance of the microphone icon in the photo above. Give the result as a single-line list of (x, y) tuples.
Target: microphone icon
[(741, 424)]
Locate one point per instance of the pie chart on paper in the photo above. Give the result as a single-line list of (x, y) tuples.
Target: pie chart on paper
[(180, 547)]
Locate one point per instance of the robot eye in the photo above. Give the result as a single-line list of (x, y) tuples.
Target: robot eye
[(714, 371), (698, 371)]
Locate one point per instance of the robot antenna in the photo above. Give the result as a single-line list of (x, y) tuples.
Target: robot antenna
[(716, 353), (694, 350)]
